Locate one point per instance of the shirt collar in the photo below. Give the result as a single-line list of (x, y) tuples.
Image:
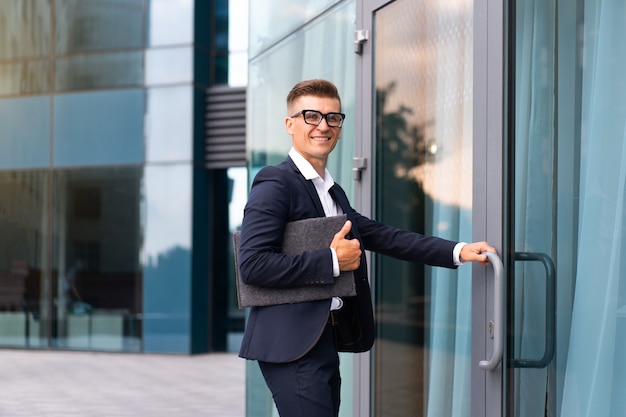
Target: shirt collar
[(307, 169)]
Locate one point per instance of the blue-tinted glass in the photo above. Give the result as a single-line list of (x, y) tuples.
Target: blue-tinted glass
[(93, 25), (167, 258), (169, 65), (221, 70), (97, 217), (98, 128), (22, 238), (220, 42), (124, 69), (169, 124), (24, 133), (24, 78), (24, 28), (170, 22)]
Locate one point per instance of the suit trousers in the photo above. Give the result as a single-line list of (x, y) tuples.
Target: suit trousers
[(309, 386)]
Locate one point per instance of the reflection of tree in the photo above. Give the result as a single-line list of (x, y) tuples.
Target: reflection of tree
[(400, 147), (400, 200)]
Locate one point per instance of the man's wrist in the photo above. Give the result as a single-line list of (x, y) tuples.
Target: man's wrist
[(456, 253)]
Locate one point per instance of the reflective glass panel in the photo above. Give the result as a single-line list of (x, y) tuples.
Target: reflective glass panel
[(171, 22), (238, 178), (24, 78), (86, 72), (24, 28), (271, 20), (93, 25), (166, 258), (23, 231), (98, 128), (567, 296), (24, 133), (169, 124), (423, 182), (96, 283), (169, 65)]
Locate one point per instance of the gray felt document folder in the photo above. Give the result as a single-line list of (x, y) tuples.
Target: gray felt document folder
[(300, 236)]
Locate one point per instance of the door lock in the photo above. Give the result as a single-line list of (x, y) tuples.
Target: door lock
[(359, 163)]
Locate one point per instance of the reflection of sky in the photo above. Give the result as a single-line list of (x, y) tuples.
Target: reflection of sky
[(239, 196), (426, 50), (238, 42), (171, 22), (238, 76), (169, 133), (167, 221)]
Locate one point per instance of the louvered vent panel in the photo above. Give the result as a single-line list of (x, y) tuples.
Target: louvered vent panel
[(226, 127)]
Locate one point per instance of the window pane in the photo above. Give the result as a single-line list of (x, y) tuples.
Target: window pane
[(168, 121), (171, 23), (167, 258), (24, 28), (22, 253), (271, 20), (24, 78), (169, 65), (25, 133), (99, 71), (97, 285), (92, 25), (98, 128)]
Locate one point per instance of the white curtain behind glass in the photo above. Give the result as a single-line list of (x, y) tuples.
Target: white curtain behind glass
[(595, 375), (534, 191)]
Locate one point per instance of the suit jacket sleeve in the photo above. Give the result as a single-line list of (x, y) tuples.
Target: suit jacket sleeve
[(395, 242)]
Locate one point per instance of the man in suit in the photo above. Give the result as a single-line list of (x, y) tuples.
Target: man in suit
[(296, 345)]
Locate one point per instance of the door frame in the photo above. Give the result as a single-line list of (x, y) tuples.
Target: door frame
[(489, 185), (489, 193)]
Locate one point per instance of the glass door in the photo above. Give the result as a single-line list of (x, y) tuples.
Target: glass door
[(420, 86), (567, 291)]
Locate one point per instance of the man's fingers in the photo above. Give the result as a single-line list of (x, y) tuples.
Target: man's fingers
[(347, 226)]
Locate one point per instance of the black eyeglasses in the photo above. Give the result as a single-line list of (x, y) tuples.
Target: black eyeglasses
[(314, 117)]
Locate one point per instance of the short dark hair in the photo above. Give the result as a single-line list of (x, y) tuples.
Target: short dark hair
[(316, 88)]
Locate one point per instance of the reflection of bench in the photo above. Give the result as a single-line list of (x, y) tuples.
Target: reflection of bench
[(14, 326), (13, 286)]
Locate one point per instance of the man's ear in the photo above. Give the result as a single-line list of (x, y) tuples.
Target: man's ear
[(289, 125)]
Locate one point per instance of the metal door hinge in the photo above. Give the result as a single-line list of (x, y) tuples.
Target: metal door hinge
[(360, 37)]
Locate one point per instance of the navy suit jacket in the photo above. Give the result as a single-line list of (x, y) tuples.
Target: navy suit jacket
[(283, 333)]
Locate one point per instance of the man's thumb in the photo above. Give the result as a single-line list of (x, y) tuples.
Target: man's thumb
[(347, 226)]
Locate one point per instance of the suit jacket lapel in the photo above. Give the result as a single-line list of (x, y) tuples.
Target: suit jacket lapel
[(337, 193), (310, 188)]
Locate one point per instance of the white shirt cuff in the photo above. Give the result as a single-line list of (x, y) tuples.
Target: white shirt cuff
[(456, 253), (336, 270)]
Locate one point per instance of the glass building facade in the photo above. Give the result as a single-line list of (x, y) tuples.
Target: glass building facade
[(106, 207)]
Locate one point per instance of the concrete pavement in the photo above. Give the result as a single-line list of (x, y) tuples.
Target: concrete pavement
[(87, 384)]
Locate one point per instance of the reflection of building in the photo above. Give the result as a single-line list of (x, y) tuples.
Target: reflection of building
[(111, 214)]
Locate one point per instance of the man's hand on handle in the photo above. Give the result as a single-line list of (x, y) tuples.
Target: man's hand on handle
[(473, 252)]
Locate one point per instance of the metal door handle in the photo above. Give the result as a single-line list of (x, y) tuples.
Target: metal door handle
[(548, 354), (497, 325)]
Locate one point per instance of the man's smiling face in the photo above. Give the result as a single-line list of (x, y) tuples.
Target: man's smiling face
[(314, 143)]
